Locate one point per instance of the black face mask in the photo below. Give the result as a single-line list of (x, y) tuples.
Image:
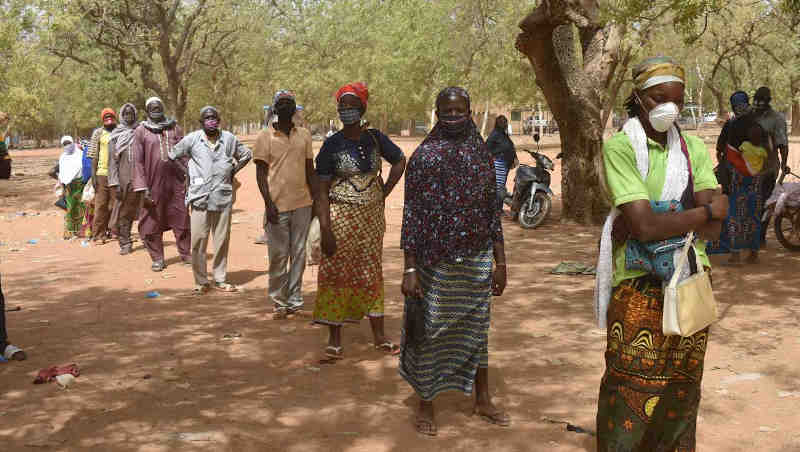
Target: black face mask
[(155, 116), (453, 125), (285, 111)]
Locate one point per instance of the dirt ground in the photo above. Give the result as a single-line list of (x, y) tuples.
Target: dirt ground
[(160, 375)]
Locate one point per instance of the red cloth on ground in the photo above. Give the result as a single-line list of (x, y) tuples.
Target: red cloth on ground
[(50, 374)]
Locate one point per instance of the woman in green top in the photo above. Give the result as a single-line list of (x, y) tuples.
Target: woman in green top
[(650, 392)]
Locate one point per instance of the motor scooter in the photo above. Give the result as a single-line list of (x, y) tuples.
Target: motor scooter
[(531, 200)]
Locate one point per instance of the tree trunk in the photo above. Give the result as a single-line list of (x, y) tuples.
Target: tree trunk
[(573, 66), (582, 196), (485, 119), (795, 92), (722, 103)]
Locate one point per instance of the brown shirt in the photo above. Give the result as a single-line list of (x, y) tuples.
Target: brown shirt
[(286, 157)]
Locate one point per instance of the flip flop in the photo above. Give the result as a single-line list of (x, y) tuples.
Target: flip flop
[(15, 353), (225, 287), (157, 266), (497, 418), (389, 347), (332, 352), (426, 426)]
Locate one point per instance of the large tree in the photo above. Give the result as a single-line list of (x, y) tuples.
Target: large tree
[(160, 44), (580, 51)]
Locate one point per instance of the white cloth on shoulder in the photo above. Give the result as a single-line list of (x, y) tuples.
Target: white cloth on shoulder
[(677, 177)]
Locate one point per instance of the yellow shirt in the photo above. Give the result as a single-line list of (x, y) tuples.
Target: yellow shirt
[(102, 161), (286, 157)]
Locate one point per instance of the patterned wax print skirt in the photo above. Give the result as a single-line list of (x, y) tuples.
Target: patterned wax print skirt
[(73, 217), (350, 283), (742, 229), (650, 392), (455, 326)]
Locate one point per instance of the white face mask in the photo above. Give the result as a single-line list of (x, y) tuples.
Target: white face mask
[(663, 116)]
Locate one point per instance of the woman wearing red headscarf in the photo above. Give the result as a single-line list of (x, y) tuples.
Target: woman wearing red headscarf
[(352, 223)]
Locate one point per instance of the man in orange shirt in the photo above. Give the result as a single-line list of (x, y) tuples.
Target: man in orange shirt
[(287, 181), (99, 152)]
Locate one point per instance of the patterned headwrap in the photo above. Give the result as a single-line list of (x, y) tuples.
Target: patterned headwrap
[(282, 94), (106, 112), (655, 71), (357, 89), (452, 91)]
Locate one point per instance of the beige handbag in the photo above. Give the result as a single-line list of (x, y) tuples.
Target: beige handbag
[(689, 305)]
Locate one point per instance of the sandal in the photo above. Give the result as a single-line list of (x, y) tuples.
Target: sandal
[(426, 426), (225, 287), (158, 266), (280, 314), (332, 352), (389, 347), (200, 290), (497, 418), (15, 353)]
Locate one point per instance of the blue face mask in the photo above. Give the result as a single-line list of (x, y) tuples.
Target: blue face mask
[(350, 116)]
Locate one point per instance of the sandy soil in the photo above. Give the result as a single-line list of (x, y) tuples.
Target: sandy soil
[(158, 374)]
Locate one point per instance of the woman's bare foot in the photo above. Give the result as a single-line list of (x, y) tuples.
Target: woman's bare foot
[(491, 414)]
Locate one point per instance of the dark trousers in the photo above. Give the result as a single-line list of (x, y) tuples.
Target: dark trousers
[(154, 243), (3, 333), (125, 211), (102, 207), (766, 190)]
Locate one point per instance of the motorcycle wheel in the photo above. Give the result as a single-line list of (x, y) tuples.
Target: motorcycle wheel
[(787, 228), (531, 217)]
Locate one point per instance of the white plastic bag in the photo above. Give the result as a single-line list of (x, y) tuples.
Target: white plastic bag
[(88, 193), (313, 243)]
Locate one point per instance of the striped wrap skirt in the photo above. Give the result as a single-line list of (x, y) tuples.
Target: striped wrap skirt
[(454, 326)]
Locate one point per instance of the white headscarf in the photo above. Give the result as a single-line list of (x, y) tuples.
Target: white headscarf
[(70, 163)]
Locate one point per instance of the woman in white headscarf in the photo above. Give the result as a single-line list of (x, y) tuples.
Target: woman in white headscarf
[(70, 166)]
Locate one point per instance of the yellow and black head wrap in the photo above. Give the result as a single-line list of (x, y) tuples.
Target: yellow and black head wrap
[(655, 71)]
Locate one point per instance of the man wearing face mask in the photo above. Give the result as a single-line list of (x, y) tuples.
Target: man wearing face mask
[(120, 177), (161, 183), (775, 125), (100, 155), (215, 156), (286, 179)]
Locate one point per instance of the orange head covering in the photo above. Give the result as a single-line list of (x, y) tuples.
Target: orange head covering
[(357, 89), (106, 112)]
